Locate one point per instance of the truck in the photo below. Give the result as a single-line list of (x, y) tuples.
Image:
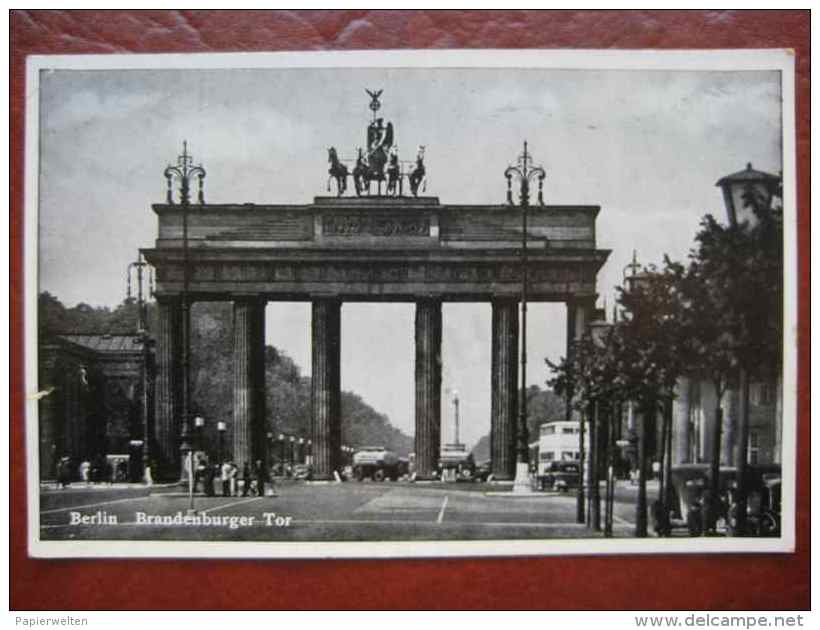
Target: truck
[(456, 463), (376, 463)]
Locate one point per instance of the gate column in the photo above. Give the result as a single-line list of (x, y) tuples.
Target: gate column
[(326, 396), (504, 380), (428, 386), (167, 386), (248, 380)]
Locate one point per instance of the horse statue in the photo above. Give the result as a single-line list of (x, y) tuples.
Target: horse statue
[(393, 171), (360, 179), (337, 171), (417, 175)]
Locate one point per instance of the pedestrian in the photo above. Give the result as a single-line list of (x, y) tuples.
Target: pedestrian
[(246, 479), (85, 471), (63, 473), (210, 475), (200, 475), (261, 477), (226, 478), (234, 473)]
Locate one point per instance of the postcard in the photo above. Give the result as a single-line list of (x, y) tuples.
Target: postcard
[(410, 304)]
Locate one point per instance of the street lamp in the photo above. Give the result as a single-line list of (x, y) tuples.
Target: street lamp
[(748, 196), (282, 451), (183, 172), (301, 451), (524, 172), (309, 454), (268, 446), (637, 279), (746, 191), (145, 341), (292, 447), (199, 423), (220, 429), (599, 329)]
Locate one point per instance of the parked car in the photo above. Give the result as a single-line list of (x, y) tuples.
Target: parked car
[(483, 471), (560, 476)]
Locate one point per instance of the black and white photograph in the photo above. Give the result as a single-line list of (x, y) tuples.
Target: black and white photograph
[(398, 304)]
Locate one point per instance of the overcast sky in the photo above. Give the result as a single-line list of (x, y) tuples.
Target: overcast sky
[(647, 146)]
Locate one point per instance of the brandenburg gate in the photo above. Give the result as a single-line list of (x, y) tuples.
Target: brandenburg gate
[(378, 247)]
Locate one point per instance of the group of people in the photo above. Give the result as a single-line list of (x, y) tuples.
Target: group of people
[(251, 480), (98, 470)]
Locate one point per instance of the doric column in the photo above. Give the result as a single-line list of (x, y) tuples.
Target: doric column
[(326, 395), (708, 400), (248, 380), (428, 386), (731, 421), (504, 383), (167, 385), (680, 422)]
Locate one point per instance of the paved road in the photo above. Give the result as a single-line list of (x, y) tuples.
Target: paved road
[(333, 512)]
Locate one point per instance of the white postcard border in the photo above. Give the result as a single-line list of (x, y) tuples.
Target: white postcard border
[(713, 60)]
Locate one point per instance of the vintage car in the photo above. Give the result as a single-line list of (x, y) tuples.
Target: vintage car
[(483, 471), (560, 476), (456, 463), (689, 492)]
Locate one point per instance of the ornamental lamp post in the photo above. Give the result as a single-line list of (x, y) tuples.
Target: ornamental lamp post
[(291, 453), (144, 339), (309, 453), (183, 173), (301, 451), (524, 172), (268, 446), (637, 279), (749, 198), (599, 329)]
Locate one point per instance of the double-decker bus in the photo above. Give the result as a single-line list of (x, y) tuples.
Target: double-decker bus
[(558, 441)]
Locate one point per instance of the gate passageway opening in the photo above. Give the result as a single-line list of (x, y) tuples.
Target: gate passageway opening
[(377, 347)]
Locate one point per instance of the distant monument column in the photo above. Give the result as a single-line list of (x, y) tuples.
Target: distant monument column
[(504, 381), (168, 384), (248, 380), (326, 395), (428, 386)]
